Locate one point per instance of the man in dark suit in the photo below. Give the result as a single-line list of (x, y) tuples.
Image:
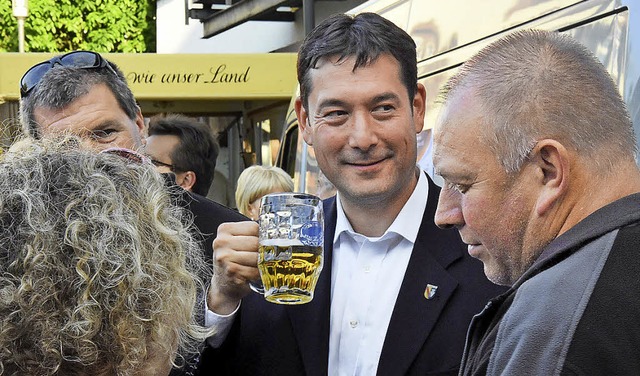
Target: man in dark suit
[(207, 216), (396, 293)]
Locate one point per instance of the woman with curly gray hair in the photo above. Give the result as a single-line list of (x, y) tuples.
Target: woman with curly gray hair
[(98, 274)]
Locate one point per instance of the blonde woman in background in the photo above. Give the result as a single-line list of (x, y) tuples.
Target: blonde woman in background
[(257, 181), (99, 274)]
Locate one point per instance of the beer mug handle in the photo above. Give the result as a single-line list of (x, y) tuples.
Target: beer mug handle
[(257, 286)]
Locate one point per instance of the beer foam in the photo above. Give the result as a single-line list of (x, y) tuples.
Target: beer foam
[(280, 242)]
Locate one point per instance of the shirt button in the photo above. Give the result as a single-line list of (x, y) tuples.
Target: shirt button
[(367, 269), (353, 323)]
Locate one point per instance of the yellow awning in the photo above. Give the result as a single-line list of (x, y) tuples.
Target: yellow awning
[(181, 76)]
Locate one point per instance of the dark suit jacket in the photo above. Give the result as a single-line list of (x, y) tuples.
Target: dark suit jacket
[(425, 337), (207, 216)]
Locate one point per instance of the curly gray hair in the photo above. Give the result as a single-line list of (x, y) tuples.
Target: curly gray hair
[(99, 274)]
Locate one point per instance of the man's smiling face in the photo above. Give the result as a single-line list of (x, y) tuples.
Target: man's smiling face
[(363, 128)]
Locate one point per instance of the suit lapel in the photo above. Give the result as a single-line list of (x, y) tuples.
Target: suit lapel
[(414, 316), (310, 321)]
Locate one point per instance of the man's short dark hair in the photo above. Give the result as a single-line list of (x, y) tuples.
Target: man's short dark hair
[(365, 37), (197, 150), (62, 85)]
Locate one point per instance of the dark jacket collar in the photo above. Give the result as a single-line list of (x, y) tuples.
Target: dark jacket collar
[(617, 214)]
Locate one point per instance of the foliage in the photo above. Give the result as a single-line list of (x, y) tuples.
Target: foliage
[(97, 25)]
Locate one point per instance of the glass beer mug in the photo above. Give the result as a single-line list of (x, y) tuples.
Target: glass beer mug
[(291, 241)]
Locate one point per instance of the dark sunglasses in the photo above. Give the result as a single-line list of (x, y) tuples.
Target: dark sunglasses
[(76, 59)]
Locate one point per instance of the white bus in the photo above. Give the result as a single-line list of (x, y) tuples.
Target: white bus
[(449, 32)]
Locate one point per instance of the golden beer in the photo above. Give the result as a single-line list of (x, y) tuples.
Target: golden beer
[(289, 272)]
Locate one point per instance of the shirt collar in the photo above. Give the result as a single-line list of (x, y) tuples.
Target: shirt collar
[(407, 223)]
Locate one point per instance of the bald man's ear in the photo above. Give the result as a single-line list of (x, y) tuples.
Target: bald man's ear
[(551, 161), (186, 180)]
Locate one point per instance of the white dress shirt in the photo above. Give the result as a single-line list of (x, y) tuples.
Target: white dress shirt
[(365, 282)]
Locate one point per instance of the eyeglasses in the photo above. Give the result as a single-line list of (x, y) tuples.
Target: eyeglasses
[(76, 59), (127, 154), (157, 163)]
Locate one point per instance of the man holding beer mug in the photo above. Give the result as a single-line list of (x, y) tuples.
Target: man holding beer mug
[(396, 293)]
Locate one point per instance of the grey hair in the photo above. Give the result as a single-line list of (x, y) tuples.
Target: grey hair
[(99, 274), (537, 84), (62, 85)]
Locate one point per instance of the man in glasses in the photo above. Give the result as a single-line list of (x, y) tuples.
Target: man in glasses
[(84, 94), (184, 147)]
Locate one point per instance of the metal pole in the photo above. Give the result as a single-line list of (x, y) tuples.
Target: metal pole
[(20, 34), (308, 16), (20, 12)]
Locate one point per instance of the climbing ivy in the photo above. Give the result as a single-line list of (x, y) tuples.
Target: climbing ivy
[(66, 25)]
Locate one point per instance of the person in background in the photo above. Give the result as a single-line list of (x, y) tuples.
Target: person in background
[(538, 156), (180, 145), (99, 273), (84, 94), (257, 181), (396, 294)]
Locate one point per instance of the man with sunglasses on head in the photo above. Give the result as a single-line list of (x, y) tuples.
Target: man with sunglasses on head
[(84, 94), (81, 93)]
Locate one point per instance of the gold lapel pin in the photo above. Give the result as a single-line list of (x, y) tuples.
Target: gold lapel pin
[(430, 291)]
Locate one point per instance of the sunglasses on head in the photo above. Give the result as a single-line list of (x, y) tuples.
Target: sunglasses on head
[(76, 59)]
